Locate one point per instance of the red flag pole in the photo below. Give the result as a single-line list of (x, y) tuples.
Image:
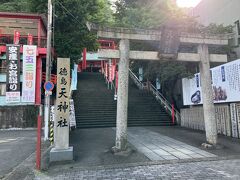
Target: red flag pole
[(39, 128), (84, 62)]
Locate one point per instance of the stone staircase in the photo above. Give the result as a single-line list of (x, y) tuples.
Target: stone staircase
[(95, 107)]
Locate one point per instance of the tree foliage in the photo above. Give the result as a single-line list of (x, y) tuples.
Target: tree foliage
[(70, 16), (155, 14), (14, 6), (70, 32)]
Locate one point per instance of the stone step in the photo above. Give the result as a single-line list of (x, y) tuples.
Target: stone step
[(95, 107)]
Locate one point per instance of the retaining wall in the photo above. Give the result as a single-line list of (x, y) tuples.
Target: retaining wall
[(18, 116)]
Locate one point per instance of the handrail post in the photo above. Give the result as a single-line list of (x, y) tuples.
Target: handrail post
[(173, 115)]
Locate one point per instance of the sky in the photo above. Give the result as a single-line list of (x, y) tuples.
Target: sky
[(182, 3), (188, 3)]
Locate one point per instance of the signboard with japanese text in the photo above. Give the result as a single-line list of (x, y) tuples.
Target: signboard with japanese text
[(225, 85), (62, 104), (234, 120), (29, 73), (13, 73), (72, 118)]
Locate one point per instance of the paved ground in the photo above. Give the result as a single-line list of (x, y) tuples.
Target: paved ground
[(229, 146), (15, 147), (92, 147), (159, 147), (227, 169), (94, 160)]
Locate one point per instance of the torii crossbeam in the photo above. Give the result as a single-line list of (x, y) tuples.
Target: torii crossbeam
[(202, 41)]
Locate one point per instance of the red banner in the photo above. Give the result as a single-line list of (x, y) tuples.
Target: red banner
[(30, 39), (116, 82), (114, 62), (113, 72), (106, 70), (16, 37), (110, 72)]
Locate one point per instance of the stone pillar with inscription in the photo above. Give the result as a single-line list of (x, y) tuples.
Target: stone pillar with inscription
[(122, 101), (207, 94), (61, 150)]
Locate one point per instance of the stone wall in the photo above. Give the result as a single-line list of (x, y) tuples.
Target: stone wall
[(227, 116), (18, 116)]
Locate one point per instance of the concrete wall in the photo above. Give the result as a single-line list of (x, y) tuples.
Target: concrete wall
[(18, 116), (225, 12), (227, 123), (218, 11)]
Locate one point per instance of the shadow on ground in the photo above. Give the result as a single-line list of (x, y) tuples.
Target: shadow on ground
[(229, 146), (92, 147)]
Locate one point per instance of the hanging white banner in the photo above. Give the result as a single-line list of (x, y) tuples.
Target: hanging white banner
[(158, 85), (140, 72), (29, 73)]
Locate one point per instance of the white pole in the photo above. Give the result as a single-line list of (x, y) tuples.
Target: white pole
[(48, 72)]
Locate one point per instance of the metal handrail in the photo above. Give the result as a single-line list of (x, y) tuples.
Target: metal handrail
[(136, 80), (165, 102), (157, 95)]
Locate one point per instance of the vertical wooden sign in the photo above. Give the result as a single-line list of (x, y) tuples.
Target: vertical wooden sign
[(234, 120), (238, 117), (61, 124)]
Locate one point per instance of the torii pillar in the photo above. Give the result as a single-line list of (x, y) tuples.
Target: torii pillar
[(122, 102), (207, 94)]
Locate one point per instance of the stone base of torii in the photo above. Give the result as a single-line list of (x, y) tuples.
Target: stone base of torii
[(203, 58)]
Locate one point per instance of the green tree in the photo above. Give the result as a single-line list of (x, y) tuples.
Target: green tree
[(70, 16), (70, 32), (155, 14), (14, 6)]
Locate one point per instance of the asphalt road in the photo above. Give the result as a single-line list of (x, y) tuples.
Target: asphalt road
[(15, 147)]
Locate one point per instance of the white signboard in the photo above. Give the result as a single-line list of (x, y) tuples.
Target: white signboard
[(12, 97), (29, 73), (52, 114), (72, 118), (225, 84)]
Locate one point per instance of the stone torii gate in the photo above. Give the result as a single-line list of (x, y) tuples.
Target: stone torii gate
[(124, 54)]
